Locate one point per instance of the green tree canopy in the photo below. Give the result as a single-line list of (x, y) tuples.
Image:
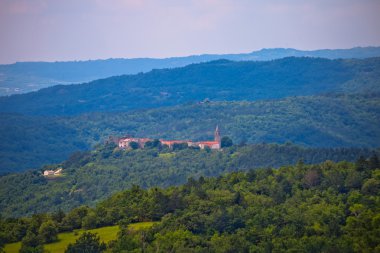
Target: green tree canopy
[(226, 142), (87, 243), (48, 231)]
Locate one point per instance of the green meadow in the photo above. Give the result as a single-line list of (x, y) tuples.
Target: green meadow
[(106, 234)]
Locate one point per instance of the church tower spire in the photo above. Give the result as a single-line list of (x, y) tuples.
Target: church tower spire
[(217, 134)]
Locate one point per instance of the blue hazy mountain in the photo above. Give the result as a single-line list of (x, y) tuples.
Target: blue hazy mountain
[(220, 80), (23, 77)]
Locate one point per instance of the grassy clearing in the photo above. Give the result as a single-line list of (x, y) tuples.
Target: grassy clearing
[(12, 247), (167, 155), (106, 234)]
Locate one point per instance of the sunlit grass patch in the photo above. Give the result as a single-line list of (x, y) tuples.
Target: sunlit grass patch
[(106, 234)]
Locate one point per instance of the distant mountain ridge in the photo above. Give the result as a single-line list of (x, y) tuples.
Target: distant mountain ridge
[(22, 77), (221, 80)]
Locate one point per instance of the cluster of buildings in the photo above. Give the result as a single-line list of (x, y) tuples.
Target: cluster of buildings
[(126, 142)]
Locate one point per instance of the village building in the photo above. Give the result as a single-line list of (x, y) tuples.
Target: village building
[(48, 172), (216, 144), (125, 142), (56, 172)]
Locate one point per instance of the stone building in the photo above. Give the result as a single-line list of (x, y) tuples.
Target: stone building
[(125, 142)]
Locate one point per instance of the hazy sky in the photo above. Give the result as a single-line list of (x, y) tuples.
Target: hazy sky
[(50, 30)]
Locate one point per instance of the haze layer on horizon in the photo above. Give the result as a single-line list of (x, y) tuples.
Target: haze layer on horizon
[(54, 30)]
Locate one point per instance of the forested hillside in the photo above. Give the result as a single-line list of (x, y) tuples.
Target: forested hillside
[(219, 81), (317, 121), (25, 77), (328, 207), (91, 176)]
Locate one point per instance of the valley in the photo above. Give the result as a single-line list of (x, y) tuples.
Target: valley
[(300, 170), (314, 121), (230, 126)]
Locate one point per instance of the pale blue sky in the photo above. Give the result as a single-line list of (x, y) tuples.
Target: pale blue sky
[(50, 30)]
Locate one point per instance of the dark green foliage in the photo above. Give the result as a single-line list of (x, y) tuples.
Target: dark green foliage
[(126, 243), (179, 146), (302, 208), (91, 176), (134, 145), (29, 142), (374, 162), (74, 219), (153, 144), (226, 142), (3, 240), (315, 218), (325, 121), (58, 216), (31, 243), (86, 243), (48, 232)]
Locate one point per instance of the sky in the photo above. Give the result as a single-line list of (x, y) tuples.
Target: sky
[(63, 30)]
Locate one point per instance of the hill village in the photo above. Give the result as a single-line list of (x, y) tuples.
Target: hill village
[(128, 142)]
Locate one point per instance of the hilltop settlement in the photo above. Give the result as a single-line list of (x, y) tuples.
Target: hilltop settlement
[(128, 142)]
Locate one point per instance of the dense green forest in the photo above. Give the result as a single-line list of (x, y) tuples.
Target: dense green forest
[(327, 207), (24, 77), (316, 121), (91, 176), (302, 173), (221, 80)]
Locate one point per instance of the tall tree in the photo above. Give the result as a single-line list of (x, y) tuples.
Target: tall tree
[(48, 231), (87, 243)]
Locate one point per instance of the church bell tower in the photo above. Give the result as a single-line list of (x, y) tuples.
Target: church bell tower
[(217, 134)]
